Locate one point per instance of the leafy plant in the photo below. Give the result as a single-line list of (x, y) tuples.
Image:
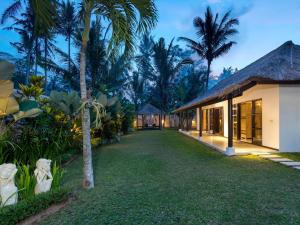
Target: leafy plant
[(11, 215), (57, 174), (68, 103), (34, 89), (25, 181)]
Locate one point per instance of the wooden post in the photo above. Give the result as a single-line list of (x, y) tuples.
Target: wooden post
[(230, 150), (159, 120), (180, 120), (187, 120), (200, 121)]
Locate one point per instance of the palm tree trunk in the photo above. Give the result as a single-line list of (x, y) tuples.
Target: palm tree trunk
[(28, 67), (207, 74), (45, 61), (69, 54), (36, 55), (88, 179)]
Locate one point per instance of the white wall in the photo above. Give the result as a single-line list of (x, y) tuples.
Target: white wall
[(270, 111), (223, 104), (289, 118)]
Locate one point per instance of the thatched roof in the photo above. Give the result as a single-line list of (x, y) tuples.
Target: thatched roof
[(280, 65), (149, 109)]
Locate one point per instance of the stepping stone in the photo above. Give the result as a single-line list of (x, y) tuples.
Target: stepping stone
[(261, 153), (291, 164), (297, 167), (280, 160), (270, 156)]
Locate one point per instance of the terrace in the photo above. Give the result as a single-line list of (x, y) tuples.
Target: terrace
[(219, 143)]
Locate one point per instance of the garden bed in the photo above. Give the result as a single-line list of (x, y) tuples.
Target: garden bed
[(32, 206)]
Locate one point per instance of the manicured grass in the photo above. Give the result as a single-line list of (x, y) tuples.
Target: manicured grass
[(163, 177), (292, 156)]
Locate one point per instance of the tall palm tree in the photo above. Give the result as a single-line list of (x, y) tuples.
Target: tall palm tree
[(96, 54), (213, 34), (137, 88), (127, 18), (167, 66), (38, 13), (24, 26), (67, 24)]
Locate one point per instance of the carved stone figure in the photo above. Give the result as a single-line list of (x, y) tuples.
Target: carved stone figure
[(8, 189), (43, 176)]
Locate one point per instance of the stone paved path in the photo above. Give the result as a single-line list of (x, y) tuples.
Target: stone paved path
[(284, 161)]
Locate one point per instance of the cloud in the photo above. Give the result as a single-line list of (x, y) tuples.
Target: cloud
[(238, 8)]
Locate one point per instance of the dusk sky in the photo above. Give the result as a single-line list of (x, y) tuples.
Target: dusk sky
[(264, 25)]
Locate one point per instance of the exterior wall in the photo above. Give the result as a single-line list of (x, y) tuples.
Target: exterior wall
[(270, 111), (223, 104), (289, 118)]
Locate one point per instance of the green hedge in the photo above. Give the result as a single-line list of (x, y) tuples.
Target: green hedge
[(31, 206)]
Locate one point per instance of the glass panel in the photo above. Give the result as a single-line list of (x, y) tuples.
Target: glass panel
[(235, 120), (204, 120), (257, 136), (246, 121)]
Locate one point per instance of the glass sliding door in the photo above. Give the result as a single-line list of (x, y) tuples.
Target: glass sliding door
[(235, 121), (249, 117), (246, 121), (205, 120), (257, 122)]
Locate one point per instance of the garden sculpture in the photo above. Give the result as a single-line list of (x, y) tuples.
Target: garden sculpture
[(8, 189), (43, 176)]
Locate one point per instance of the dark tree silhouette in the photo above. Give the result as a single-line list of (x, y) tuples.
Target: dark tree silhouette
[(213, 36)]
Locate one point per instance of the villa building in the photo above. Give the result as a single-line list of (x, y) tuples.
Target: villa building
[(257, 108)]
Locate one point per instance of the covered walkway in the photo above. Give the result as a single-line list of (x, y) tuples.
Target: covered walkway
[(219, 143)]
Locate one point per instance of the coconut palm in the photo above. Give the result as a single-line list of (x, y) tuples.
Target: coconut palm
[(214, 37), (67, 24), (167, 65), (127, 18), (38, 19), (24, 26)]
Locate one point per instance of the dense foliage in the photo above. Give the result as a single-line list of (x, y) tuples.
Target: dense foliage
[(13, 214)]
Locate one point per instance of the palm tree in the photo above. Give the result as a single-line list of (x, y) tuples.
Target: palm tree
[(127, 18), (167, 66), (39, 14), (67, 24), (213, 34), (96, 56), (137, 88), (24, 26)]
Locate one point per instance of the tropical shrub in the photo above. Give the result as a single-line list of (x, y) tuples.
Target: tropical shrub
[(127, 116), (34, 138), (11, 215), (26, 181)]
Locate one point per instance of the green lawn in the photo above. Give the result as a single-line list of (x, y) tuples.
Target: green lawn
[(293, 156), (163, 177)]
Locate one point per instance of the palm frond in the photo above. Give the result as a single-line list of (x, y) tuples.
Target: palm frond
[(11, 11)]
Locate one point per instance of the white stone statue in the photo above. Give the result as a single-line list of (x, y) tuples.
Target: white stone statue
[(8, 189), (43, 176)]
